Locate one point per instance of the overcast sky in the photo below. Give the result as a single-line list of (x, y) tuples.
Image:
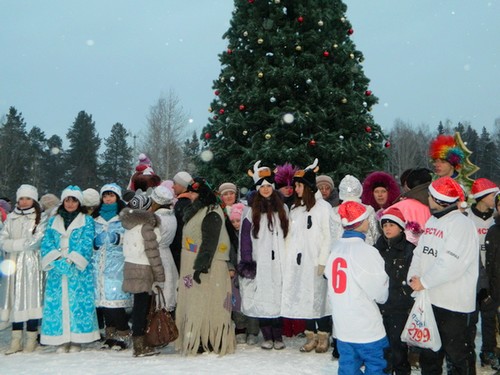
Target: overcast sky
[(427, 60)]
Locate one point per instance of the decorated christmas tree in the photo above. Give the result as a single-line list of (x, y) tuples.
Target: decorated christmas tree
[(291, 89)]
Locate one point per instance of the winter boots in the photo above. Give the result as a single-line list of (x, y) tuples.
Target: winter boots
[(141, 349), (122, 340), (109, 341), (31, 342), (311, 342), (16, 344), (323, 342)]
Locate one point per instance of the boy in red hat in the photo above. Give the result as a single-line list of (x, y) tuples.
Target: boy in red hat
[(445, 262), (397, 253), (357, 282)]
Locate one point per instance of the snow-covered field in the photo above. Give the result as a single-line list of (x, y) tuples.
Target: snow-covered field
[(246, 360)]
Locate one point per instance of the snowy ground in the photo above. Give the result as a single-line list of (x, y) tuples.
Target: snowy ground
[(246, 360)]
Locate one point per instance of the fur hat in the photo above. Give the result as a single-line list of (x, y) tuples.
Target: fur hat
[(236, 211), (73, 191), (162, 195), (446, 190), (49, 201), (27, 191), (114, 188), (308, 176), (324, 179), (444, 147), (393, 215), (352, 213), (418, 176), (140, 202), (350, 189), (283, 175), (91, 198), (261, 175), (227, 186), (482, 187), (380, 179), (183, 178)]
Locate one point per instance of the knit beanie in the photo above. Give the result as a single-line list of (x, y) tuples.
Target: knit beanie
[(114, 188), (91, 198), (140, 202), (325, 180), (227, 186), (73, 191), (27, 191), (162, 195), (236, 211), (183, 178)]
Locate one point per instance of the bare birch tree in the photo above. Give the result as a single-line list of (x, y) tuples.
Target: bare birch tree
[(164, 135), (409, 147)]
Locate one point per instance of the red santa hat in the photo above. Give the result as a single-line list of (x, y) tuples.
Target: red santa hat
[(446, 190), (482, 187), (352, 213), (394, 215)]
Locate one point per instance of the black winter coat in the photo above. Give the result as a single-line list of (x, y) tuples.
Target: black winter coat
[(397, 254), (492, 244)]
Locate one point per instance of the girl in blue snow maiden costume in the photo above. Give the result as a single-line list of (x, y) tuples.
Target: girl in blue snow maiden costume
[(69, 315)]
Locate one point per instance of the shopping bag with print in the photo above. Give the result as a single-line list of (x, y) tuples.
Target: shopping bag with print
[(421, 328)]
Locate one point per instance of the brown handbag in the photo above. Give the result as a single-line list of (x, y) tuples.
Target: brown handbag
[(161, 328)]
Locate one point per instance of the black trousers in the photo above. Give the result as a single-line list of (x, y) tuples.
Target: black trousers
[(457, 344), (323, 324), (31, 325), (394, 324), (140, 313), (116, 317)]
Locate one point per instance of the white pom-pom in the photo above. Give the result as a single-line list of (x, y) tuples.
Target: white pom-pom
[(345, 221), (463, 204), (142, 156)]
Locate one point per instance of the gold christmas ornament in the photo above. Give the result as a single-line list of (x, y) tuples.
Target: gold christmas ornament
[(352, 56), (298, 48), (260, 75), (245, 33), (210, 109), (335, 45), (268, 136), (277, 1), (245, 132), (320, 23), (222, 79), (260, 41), (344, 100), (342, 19)]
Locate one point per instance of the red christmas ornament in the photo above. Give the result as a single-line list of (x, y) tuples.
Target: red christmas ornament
[(300, 19), (312, 143), (350, 31), (387, 144), (216, 92), (229, 51), (251, 1), (368, 92), (368, 129), (242, 107), (221, 111), (208, 135), (326, 53)]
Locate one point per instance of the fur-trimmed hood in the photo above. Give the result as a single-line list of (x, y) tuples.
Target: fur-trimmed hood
[(130, 218), (377, 179)]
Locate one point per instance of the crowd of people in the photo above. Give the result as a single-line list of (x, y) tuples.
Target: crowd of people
[(339, 267)]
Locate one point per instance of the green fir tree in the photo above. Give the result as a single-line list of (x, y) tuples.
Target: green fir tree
[(117, 158), (291, 88)]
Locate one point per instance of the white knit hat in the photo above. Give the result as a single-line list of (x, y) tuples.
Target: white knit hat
[(72, 191), (162, 195), (27, 191), (350, 189), (183, 178), (91, 198), (114, 188)]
